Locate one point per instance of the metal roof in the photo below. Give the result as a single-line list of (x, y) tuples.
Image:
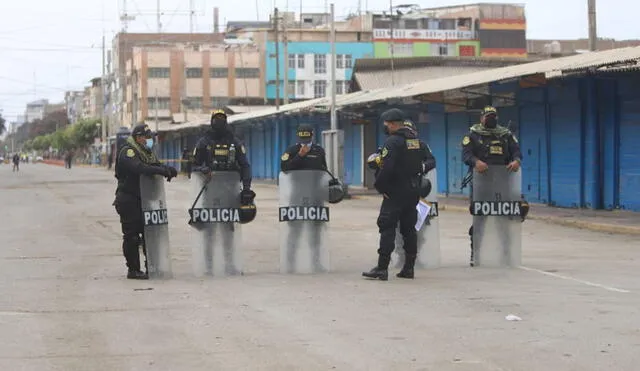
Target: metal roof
[(551, 67), (370, 80)]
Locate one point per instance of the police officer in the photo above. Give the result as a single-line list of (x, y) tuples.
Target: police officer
[(489, 144), (220, 150), (134, 159), (398, 180), (304, 155)]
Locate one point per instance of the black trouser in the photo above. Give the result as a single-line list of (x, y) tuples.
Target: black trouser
[(132, 232), (292, 241), (394, 211)]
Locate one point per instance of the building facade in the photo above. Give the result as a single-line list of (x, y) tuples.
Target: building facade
[(36, 110), (486, 30), (190, 78), (91, 99), (308, 68), (73, 105)]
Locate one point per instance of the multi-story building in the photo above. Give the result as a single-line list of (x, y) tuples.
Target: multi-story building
[(122, 51), (304, 55), (487, 30), (92, 99), (194, 78), (36, 110), (73, 101)]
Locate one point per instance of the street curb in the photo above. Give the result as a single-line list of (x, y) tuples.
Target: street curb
[(566, 222)]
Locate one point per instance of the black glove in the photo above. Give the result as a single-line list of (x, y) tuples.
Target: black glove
[(247, 196), (173, 171)]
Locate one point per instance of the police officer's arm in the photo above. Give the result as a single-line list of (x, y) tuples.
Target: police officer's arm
[(201, 155), (243, 162), (467, 151), (323, 154), (428, 162), (130, 161), (389, 159), (514, 148), (290, 159)]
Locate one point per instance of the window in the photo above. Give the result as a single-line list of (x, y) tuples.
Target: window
[(401, 49), (339, 61), (164, 103), (301, 61), (292, 61), (339, 87), (193, 103), (300, 85), (319, 88), (219, 102), (348, 61), (291, 88), (320, 64), (159, 73), (247, 73), (219, 73), (194, 73), (443, 49)]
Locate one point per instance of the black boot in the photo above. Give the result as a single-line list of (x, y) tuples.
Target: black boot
[(380, 271), (407, 269), (137, 275)]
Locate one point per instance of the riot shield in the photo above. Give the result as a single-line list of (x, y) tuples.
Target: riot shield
[(156, 226), (428, 234), (496, 209), (215, 218), (303, 221)]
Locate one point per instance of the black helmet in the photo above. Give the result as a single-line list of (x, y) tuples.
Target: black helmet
[(425, 186), (336, 191), (248, 213)]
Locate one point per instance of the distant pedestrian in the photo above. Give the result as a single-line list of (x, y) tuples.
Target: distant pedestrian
[(16, 162)]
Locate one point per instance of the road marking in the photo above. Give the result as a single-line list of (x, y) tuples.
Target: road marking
[(588, 283)]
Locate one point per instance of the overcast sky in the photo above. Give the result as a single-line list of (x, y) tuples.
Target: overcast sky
[(47, 47)]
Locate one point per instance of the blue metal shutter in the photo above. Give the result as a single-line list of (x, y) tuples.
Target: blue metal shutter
[(533, 148), (566, 161), (457, 128), (629, 178)]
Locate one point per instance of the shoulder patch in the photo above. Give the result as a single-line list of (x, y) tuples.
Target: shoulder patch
[(413, 143), (131, 153), (285, 156), (466, 140), (385, 152)]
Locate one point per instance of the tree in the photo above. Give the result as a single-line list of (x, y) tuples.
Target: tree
[(3, 127)]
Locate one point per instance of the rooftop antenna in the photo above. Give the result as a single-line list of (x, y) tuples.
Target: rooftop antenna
[(125, 18)]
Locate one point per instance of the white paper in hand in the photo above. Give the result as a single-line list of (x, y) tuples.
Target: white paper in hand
[(423, 209)]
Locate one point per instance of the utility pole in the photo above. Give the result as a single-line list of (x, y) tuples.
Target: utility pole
[(334, 123), (285, 42), (134, 100), (158, 16), (393, 82), (276, 25), (593, 35), (191, 16), (102, 98), (156, 110)]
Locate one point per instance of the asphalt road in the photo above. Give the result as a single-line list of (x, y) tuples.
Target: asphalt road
[(65, 303)]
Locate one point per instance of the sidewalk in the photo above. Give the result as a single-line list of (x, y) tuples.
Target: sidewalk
[(621, 222)]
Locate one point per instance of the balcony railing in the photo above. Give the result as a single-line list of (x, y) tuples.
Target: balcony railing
[(404, 34)]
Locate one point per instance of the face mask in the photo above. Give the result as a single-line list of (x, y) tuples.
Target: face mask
[(218, 124), (490, 122), (304, 140), (386, 130), (149, 143)]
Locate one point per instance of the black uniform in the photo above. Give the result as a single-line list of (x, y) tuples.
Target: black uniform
[(315, 159), (132, 161), (494, 146), (291, 160), (398, 180), (220, 151)]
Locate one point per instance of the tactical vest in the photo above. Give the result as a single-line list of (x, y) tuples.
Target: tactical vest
[(223, 156), (494, 150)]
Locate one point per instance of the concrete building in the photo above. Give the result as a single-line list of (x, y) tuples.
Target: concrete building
[(487, 30), (546, 48), (36, 110), (73, 101), (191, 78), (91, 100), (122, 51), (303, 55)]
